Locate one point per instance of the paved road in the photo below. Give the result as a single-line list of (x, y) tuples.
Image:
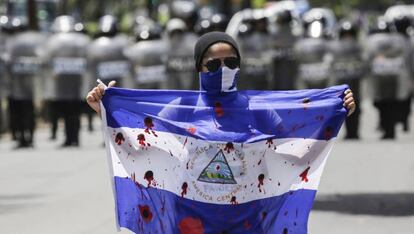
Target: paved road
[(367, 186)]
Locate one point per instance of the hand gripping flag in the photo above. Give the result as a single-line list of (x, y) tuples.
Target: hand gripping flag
[(239, 162)]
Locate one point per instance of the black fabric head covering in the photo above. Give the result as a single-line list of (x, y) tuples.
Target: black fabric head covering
[(208, 39)]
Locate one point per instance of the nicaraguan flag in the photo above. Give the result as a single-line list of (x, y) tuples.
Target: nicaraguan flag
[(238, 162)]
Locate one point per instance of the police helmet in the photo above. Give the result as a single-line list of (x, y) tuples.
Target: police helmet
[(185, 10), (147, 31), (319, 23), (380, 26), (63, 23), (13, 24), (108, 26), (218, 22), (347, 28), (175, 25)]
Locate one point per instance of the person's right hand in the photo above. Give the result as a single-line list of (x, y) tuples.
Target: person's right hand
[(95, 95)]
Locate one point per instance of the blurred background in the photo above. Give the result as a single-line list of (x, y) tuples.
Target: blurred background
[(53, 171)]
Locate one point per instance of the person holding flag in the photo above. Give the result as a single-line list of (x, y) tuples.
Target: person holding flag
[(218, 160)]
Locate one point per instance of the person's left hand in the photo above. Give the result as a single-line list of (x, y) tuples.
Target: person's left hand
[(349, 101)]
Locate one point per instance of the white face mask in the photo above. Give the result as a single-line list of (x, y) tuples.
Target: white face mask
[(223, 80)]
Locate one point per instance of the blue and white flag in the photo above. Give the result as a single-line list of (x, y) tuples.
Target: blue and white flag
[(238, 162)]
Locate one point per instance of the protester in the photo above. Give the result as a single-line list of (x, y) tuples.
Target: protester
[(216, 54)]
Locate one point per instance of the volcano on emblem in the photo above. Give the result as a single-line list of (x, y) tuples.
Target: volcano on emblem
[(217, 171)]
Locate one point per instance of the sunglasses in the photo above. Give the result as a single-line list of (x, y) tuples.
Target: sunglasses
[(213, 65)]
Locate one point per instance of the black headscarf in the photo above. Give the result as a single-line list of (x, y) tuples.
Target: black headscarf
[(208, 39)]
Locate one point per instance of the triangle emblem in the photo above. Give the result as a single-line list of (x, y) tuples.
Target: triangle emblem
[(217, 171)]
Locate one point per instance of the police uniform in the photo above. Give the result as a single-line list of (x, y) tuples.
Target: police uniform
[(66, 56), (23, 70)]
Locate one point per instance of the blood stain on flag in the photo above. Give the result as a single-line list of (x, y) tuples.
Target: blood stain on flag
[(141, 140), (149, 176), (192, 130), (247, 225), (328, 133), (185, 142), (218, 109), (229, 147), (119, 139), (190, 225), (149, 125), (184, 188), (304, 175), (269, 143), (261, 181), (234, 200), (145, 213)]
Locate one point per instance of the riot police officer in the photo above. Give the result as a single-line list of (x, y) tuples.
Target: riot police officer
[(284, 64), (65, 53), (106, 59), (23, 69), (389, 73), (148, 56), (255, 47), (179, 61), (312, 50), (402, 24), (348, 67)]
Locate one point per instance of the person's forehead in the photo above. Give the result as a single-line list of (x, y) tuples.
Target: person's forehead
[(220, 49)]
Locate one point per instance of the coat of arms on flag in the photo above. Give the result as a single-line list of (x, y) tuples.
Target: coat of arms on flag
[(239, 162)]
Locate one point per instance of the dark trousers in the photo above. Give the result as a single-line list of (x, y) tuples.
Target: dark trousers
[(388, 119), (54, 115), (70, 112), (22, 121)]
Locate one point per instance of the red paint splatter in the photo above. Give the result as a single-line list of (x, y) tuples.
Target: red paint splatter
[(146, 213), (304, 175), (149, 125), (261, 181), (192, 130), (184, 188), (218, 109), (233, 200), (229, 147), (185, 142), (141, 140), (149, 176), (190, 225), (328, 133), (119, 139), (269, 143), (247, 225)]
